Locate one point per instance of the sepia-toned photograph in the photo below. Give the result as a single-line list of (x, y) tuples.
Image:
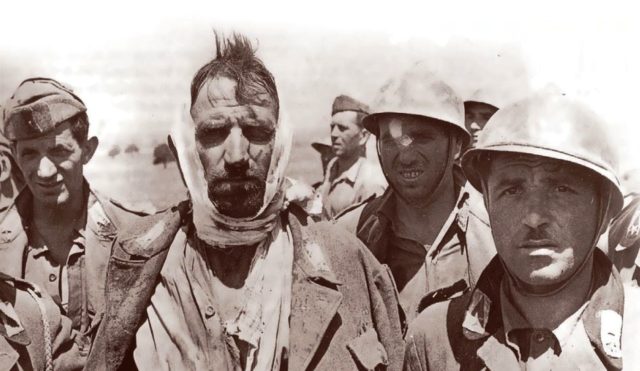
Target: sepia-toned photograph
[(343, 185)]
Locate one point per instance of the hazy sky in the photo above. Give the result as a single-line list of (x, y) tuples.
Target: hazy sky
[(132, 62)]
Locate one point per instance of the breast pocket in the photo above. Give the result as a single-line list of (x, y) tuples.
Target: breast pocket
[(368, 352)]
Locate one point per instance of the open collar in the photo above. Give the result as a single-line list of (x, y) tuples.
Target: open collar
[(602, 317)]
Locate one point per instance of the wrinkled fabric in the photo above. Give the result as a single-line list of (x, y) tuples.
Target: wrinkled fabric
[(344, 308), (340, 191), (462, 249), (22, 336), (469, 332), (175, 324), (212, 226)]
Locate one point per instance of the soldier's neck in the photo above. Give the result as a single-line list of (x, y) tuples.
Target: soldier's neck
[(58, 216), (550, 311), (56, 225), (422, 221), (232, 265), (345, 163)]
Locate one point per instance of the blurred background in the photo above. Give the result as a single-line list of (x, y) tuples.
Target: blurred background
[(132, 65)]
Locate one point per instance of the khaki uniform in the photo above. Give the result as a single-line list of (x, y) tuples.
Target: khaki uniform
[(427, 274), (33, 334), (340, 191), (77, 287), (344, 310), (481, 330)]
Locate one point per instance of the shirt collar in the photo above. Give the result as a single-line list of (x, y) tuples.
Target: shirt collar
[(602, 315), (24, 203), (349, 175)]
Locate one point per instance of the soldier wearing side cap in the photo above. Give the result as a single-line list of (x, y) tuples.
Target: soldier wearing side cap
[(350, 178), (58, 233), (549, 300), (428, 227)]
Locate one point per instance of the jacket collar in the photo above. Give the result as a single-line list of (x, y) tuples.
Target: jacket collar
[(602, 317)]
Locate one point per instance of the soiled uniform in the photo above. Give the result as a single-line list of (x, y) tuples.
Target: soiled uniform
[(428, 274), (480, 330), (344, 309), (33, 334), (77, 287)]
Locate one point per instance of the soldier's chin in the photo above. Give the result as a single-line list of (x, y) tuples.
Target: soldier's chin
[(239, 201)]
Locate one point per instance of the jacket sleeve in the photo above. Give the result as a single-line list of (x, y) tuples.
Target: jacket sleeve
[(415, 358), (386, 312)]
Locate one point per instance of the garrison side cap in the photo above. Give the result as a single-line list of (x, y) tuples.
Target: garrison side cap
[(37, 106)]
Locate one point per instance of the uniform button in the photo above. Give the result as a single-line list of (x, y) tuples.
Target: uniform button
[(539, 336), (52, 277), (209, 312)]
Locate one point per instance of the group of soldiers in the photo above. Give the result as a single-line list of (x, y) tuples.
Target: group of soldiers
[(468, 247)]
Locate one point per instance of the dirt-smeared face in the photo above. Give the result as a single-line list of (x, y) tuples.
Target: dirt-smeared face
[(234, 141), (544, 215), (413, 155)]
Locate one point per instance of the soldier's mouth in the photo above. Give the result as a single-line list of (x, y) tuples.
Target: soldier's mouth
[(410, 174)]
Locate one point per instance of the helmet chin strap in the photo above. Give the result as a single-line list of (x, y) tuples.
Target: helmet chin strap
[(554, 288), (447, 165)]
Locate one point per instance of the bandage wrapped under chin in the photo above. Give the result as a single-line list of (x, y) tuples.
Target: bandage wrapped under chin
[(213, 227)]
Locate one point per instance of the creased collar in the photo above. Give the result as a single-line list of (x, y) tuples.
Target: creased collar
[(602, 317), (350, 175)]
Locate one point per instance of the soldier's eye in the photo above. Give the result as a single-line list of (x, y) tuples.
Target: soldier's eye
[(514, 190), (212, 135), (563, 189), (256, 134)]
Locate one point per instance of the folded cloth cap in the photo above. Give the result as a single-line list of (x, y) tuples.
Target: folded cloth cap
[(37, 106), (346, 103)]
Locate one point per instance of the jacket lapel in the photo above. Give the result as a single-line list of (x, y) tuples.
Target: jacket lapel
[(315, 298)]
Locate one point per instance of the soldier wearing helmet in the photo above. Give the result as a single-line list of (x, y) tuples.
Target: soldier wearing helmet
[(478, 109), (425, 225), (549, 300)]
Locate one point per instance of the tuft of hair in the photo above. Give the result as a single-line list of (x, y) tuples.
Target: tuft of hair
[(236, 59)]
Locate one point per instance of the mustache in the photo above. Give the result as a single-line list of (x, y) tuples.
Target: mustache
[(538, 236)]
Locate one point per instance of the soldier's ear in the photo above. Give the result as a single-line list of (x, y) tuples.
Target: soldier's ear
[(364, 136), (89, 149)]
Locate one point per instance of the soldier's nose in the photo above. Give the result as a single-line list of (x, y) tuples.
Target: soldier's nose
[(236, 147), (46, 168)]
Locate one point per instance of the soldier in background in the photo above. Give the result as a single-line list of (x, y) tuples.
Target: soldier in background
[(326, 155), (550, 300), (58, 233), (478, 109), (349, 177), (428, 227)]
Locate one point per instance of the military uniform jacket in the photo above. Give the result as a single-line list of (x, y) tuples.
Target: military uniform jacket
[(33, 334), (102, 226), (462, 249), (344, 309), (468, 333)]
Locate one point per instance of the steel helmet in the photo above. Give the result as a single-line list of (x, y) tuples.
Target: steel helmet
[(419, 92), (487, 96), (549, 125)]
